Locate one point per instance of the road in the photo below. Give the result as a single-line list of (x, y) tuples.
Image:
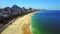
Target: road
[(20, 26)]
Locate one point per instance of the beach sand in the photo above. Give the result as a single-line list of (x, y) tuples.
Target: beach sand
[(20, 26)]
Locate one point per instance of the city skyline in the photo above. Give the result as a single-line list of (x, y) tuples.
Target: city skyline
[(40, 4)]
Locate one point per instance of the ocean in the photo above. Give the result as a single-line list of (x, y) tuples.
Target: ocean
[(46, 22)]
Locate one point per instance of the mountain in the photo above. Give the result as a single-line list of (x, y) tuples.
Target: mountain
[(15, 7), (14, 10)]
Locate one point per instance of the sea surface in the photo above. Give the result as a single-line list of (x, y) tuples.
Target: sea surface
[(46, 22)]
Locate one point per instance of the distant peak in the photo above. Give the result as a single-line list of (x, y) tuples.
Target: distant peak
[(14, 6), (7, 7)]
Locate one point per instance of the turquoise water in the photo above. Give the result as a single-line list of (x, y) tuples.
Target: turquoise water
[(46, 22)]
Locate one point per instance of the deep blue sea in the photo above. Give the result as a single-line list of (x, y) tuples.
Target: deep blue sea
[(46, 22)]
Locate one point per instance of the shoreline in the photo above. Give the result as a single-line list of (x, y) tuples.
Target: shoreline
[(16, 27)]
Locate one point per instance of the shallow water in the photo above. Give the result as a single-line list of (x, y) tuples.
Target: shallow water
[(46, 22)]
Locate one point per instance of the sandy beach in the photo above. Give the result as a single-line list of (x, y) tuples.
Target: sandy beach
[(20, 26)]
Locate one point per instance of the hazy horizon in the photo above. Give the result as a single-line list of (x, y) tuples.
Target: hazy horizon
[(39, 4)]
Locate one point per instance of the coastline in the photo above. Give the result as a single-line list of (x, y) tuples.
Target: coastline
[(16, 27)]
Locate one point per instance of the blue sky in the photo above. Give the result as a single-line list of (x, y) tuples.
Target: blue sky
[(41, 4)]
